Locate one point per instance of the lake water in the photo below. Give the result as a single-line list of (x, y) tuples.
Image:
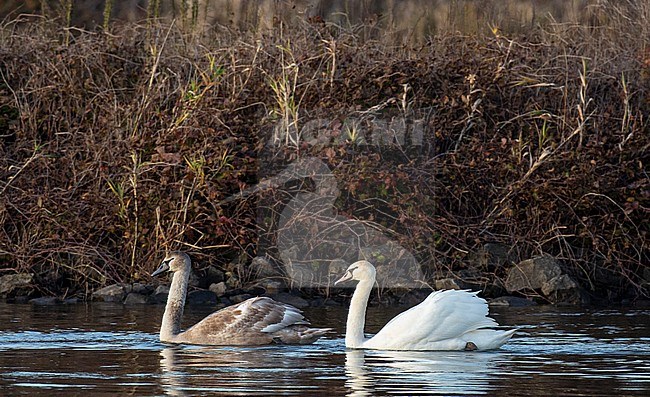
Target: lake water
[(110, 349)]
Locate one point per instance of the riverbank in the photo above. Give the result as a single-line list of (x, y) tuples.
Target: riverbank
[(461, 158)]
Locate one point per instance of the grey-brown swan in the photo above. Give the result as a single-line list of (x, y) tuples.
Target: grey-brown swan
[(445, 320), (256, 321)]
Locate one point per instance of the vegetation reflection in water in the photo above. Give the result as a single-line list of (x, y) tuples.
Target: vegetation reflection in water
[(557, 351)]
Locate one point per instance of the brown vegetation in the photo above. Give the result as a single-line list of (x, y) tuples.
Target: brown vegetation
[(116, 146)]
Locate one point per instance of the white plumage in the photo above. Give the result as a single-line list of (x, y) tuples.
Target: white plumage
[(445, 320)]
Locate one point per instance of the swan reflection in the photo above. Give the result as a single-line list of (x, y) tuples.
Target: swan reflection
[(292, 370), (188, 370), (172, 379), (419, 372)]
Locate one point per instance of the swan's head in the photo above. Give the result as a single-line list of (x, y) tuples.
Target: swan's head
[(361, 270), (174, 262)]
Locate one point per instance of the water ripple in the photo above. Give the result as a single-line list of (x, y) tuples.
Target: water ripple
[(77, 339), (552, 353)]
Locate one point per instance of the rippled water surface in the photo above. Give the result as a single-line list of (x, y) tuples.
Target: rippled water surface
[(105, 349)]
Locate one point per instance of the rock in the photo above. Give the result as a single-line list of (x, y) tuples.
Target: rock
[(289, 254), (140, 288), (531, 274), (414, 297), (396, 267), (262, 268), (291, 300), (202, 297), (468, 275), (195, 281), (111, 293), (162, 289), (239, 298), (12, 284), (496, 255), (160, 294), (135, 298), (337, 268), (561, 282), (448, 283), (562, 289), (219, 289), (254, 290), (45, 301), (511, 301), (233, 281), (494, 288), (205, 277), (270, 285), (544, 276), (214, 275), (301, 274)]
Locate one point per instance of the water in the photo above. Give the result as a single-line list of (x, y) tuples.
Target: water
[(106, 349)]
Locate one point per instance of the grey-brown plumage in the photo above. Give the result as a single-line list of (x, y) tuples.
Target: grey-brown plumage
[(256, 321)]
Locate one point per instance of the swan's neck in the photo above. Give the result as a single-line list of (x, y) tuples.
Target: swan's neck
[(354, 336), (171, 322)]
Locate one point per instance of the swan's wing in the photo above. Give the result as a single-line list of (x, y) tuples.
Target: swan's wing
[(250, 319), (443, 315), (260, 314), (275, 315)]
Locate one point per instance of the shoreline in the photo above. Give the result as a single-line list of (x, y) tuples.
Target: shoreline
[(459, 161)]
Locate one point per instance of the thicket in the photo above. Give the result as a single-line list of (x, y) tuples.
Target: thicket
[(119, 144)]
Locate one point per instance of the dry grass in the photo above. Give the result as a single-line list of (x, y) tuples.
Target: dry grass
[(116, 146)]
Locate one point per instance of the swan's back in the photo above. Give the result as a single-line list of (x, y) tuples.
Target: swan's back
[(256, 321), (445, 320)]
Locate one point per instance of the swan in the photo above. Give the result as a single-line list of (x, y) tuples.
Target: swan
[(445, 320), (256, 321)]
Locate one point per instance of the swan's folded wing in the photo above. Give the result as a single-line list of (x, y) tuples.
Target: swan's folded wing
[(275, 315), (259, 314), (248, 323), (443, 315)]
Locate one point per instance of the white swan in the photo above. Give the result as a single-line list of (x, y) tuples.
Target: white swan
[(445, 320), (256, 321)]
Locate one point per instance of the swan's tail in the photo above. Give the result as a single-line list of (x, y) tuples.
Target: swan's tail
[(299, 335), (310, 335), (490, 339)]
